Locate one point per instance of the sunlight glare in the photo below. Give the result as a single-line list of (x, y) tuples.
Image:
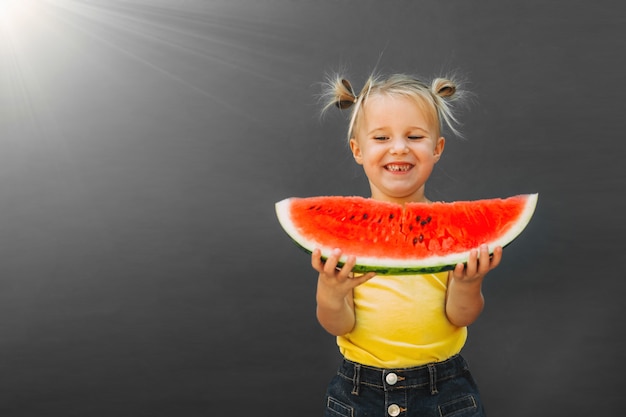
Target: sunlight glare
[(12, 10)]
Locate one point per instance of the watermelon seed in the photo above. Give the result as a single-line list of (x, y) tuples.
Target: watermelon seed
[(352, 217), (417, 240), (364, 216), (428, 219), (423, 222), (391, 216), (417, 219)]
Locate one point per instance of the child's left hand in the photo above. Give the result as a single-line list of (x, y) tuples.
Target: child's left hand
[(464, 299), (478, 264)]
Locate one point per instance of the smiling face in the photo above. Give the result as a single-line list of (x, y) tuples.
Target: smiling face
[(397, 141)]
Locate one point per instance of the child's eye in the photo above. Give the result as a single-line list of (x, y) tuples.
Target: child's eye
[(416, 137), (381, 138)]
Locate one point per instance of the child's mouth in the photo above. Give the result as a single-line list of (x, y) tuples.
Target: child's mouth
[(398, 167)]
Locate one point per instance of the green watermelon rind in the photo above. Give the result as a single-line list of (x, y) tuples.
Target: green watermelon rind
[(386, 270), (386, 266)]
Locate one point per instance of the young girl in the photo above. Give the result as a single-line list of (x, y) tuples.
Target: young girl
[(400, 336)]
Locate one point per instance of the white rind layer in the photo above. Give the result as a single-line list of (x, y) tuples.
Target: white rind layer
[(282, 212)]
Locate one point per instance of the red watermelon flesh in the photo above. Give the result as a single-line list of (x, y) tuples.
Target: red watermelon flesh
[(403, 239)]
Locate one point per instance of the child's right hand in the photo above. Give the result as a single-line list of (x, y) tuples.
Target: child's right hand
[(335, 308), (337, 282)]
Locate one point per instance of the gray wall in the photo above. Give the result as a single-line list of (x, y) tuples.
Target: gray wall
[(144, 143)]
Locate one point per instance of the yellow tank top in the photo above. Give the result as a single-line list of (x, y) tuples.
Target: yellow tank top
[(401, 322)]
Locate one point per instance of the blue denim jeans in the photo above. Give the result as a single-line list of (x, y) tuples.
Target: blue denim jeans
[(441, 389)]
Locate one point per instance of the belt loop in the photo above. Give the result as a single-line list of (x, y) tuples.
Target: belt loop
[(356, 379), (432, 373)]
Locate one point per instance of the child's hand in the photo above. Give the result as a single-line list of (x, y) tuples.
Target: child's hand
[(464, 299), (335, 282), (477, 266), (335, 306)]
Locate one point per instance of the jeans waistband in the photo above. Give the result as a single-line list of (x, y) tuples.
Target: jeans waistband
[(425, 376)]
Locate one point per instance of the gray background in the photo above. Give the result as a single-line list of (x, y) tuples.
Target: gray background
[(144, 144)]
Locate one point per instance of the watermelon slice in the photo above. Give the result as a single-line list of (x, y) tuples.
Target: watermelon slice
[(394, 239)]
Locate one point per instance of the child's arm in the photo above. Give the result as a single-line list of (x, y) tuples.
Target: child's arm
[(335, 307), (464, 299)]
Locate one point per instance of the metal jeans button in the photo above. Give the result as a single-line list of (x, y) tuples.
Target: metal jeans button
[(393, 410), (391, 378)]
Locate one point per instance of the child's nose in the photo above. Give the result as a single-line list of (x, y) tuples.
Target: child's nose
[(399, 145)]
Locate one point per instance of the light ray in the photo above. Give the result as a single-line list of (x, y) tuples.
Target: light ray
[(109, 29), (197, 45)]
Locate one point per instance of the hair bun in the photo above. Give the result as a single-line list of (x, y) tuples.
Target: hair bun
[(444, 88), (345, 94)]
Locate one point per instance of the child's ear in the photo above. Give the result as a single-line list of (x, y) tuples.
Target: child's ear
[(356, 151), (441, 143)]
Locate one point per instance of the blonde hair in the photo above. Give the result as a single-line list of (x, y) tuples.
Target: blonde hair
[(435, 99)]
